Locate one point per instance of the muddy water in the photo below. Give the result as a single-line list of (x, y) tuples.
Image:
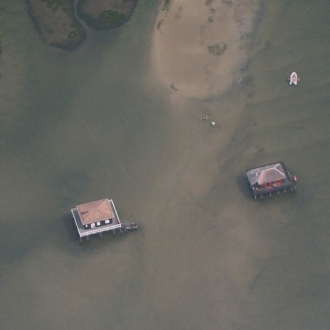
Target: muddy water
[(94, 123)]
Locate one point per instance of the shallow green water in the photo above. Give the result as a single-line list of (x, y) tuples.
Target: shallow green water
[(94, 123)]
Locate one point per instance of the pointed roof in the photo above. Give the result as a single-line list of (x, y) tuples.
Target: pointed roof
[(266, 174), (95, 211), (271, 175)]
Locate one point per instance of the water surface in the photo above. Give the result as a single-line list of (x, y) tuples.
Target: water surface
[(94, 123)]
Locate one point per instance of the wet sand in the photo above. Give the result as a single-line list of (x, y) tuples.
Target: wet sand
[(200, 47)]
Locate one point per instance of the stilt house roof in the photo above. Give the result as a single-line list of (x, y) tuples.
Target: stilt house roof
[(266, 174), (95, 211)]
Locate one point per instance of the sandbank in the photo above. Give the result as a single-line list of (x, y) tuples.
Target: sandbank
[(200, 47)]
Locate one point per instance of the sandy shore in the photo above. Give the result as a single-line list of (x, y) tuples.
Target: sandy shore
[(200, 47)]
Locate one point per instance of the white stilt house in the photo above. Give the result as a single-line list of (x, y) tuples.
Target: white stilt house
[(98, 217)]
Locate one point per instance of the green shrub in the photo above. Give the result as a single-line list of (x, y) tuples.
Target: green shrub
[(111, 17), (54, 4)]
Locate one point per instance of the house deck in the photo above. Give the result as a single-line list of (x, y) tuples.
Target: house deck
[(115, 225)]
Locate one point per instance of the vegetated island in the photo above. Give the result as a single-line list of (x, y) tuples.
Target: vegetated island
[(105, 14), (59, 26), (57, 23)]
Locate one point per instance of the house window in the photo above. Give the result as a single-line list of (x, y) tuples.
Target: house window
[(98, 223), (92, 225), (107, 221)]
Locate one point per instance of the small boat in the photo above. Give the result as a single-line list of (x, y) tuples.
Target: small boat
[(293, 79)]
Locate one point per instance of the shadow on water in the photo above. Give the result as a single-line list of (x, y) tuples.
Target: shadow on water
[(70, 227), (243, 187)]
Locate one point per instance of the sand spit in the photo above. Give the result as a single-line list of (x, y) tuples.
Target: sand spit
[(199, 47)]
